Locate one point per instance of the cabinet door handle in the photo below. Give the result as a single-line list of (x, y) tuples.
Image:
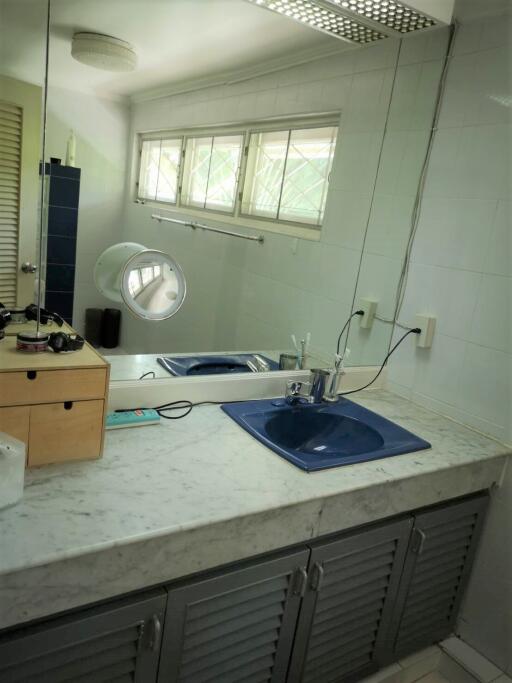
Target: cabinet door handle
[(156, 633), (418, 541), (317, 576), (300, 582)]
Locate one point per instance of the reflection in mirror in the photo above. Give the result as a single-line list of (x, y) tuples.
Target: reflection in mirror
[(22, 75), (150, 283), (259, 126), (154, 290)]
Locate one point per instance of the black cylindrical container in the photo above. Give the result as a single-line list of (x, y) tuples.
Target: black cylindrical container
[(110, 328), (93, 325)]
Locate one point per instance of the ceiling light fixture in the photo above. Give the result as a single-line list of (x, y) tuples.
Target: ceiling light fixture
[(364, 21), (103, 52), (321, 17)]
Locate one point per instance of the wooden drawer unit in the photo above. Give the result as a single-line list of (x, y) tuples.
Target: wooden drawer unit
[(54, 402), (65, 431), (51, 386), (15, 422)]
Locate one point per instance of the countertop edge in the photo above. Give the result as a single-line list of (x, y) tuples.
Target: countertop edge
[(105, 573)]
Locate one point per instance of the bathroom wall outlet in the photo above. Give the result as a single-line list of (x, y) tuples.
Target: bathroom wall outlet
[(369, 306), (427, 324)]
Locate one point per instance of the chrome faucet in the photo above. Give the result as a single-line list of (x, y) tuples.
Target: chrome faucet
[(322, 386)]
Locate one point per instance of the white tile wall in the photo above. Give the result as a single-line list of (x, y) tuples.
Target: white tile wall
[(485, 621), (461, 262), (461, 273)]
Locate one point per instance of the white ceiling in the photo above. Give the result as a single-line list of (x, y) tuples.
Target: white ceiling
[(176, 40)]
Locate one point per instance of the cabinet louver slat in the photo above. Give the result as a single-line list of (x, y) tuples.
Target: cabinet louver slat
[(228, 652), (58, 661), (344, 621), (435, 574), (101, 674), (10, 170), (206, 644), (265, 606), (345, 587), (234, 628), (99, 646), (341, 626)]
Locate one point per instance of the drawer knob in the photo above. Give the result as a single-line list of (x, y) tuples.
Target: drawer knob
[(68, 405), (31, 374)]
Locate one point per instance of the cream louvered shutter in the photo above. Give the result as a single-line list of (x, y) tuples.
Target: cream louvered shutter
[(10, 169)]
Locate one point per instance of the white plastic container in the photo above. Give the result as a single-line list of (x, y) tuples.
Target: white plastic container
[(12, 470)]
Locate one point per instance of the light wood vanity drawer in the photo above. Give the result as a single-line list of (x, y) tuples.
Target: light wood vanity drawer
[(65, 431), (15, 422), (49, 386)]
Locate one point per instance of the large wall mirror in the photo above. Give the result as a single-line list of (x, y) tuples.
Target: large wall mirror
[(302, 151), (23, 42)]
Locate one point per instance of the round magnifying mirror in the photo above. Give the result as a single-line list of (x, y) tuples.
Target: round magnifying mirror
[(153, 285), (150, 282)]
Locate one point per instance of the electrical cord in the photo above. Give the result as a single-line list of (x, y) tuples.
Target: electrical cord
[(175, 405), (418, 202), (414, 330), (392, 322), (151, 372), (345, 327), (185, 405)]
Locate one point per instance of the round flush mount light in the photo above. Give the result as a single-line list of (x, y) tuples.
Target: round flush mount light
[(103, 52)]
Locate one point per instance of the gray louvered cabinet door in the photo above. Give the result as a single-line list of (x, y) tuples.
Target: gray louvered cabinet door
[(347, 608), (236, 627), (437, 568), (113, 644)]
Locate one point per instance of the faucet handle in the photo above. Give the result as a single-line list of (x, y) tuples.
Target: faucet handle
[(296, 390)]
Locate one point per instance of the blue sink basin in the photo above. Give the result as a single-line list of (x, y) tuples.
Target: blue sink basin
[(182, 366), (315, 437)]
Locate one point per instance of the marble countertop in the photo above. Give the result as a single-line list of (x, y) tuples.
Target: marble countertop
[(172, 499)]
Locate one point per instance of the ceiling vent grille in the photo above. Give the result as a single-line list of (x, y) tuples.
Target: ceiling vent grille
[(393, 15), (363, 21)]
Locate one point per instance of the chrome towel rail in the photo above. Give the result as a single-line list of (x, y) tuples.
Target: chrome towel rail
[(189, 224)]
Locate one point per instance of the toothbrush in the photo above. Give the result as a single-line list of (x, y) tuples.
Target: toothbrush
[(339, 361), (341, 365), (305, 350)]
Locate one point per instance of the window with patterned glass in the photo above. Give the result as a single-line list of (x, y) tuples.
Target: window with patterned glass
[(159, 169), (210, 172), (274, 175), (287, 174)]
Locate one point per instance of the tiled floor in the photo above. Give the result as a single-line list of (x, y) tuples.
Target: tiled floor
[(453, 661), (433, 677)]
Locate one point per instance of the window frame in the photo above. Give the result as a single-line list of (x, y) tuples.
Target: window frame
[(212, 134), (161, 138), (298, 228)]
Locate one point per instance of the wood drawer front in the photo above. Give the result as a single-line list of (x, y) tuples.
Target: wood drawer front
[(60, 431), (15, 422), (51, 386)]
